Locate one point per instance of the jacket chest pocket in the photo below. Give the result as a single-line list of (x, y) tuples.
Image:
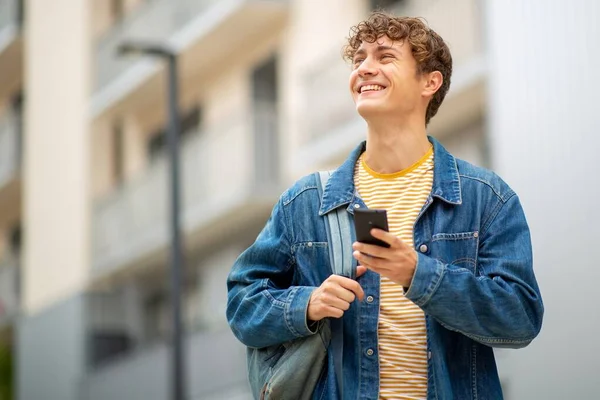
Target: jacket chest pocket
[(459, 249), (312, 261)]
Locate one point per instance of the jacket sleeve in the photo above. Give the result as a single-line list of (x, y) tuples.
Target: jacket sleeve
[(263, 309), (500, 305)]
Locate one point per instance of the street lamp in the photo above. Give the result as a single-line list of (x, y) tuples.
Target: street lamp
[(175, 272)]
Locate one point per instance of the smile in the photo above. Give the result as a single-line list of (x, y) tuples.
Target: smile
[(370, 88)]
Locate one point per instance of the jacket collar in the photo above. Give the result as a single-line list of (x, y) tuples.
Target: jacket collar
[(340, 189)]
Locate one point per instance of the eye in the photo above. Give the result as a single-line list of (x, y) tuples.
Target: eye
[(387, 56), (356, 63)]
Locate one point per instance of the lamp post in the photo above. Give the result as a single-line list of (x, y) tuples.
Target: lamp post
[(175, 271)]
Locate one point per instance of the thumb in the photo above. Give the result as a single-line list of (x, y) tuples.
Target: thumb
[(360, 270)]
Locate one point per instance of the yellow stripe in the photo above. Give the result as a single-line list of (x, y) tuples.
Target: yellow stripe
[(401, 332), (398, 174)]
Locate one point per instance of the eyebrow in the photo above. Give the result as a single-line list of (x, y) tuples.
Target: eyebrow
[(378, 49)]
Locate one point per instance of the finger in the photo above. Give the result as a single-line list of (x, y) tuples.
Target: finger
[(340, 292), (387, 237), (372, 250), (338, 302), (336, 285), (369, 262), (334, 312), (353, 286), (360, 270), (366, 259)]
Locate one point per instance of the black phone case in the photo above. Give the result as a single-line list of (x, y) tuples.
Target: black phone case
[(367, 219)]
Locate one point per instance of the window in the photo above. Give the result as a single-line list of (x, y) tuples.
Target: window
[(266, 144), (17, 103), (264, 81), (190, 121), (21, 12), (190, 124), (105, 345), (157, 316), (15, 245), (15, 240), (107, 331), (156, 144), (117, 9), (118, 168)]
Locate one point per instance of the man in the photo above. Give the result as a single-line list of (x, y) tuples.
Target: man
[(423, 316)]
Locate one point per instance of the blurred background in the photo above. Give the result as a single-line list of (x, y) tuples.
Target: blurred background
[(84, 238)]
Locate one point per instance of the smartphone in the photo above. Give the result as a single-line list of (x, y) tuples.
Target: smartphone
[(366, 219)]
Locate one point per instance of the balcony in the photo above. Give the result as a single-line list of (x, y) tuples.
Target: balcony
[(9, 148), (333, 121), (229, 175), (216, 367), (9, 290), (193, 28)]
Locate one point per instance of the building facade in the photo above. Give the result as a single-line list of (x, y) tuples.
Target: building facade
[(84, 240)]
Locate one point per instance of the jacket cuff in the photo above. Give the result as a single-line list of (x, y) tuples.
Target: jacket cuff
[(427, 277), (296, 309)]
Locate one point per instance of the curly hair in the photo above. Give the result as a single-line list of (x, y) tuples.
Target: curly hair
[(428, 48)]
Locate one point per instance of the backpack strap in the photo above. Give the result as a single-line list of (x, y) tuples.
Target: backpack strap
[(339, 241), (339, 236)]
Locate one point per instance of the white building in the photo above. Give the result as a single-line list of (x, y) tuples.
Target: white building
[(264, 100)]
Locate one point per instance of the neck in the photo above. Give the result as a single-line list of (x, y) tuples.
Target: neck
[(392, 147)]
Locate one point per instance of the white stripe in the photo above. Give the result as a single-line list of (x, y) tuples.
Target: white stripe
[(401, 331)]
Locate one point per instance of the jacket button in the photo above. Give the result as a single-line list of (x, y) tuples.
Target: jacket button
[(309, 244), (423, 248), (429, 355), (357, 205), (370, 352), (369, 299)]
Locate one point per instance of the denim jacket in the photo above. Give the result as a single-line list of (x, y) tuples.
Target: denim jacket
[(474, 280)]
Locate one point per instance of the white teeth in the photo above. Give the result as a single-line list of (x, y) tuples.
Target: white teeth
[(371, 87)]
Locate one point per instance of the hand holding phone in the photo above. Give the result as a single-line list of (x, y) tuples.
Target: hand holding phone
[(367, 219)]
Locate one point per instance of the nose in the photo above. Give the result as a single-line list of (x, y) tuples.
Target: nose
[(367, 68)]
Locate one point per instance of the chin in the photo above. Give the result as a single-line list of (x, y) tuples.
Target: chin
[(367, 109)]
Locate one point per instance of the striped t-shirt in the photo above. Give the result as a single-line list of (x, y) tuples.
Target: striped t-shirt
[(402, 335)]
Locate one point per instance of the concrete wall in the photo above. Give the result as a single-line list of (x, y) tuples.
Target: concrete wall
[(51, 365), (544, 126), (56, 161), (50, 332)]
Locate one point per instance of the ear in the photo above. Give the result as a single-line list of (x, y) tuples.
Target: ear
[(433, 81)]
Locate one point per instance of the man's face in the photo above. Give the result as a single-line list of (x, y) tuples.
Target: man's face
[(384, 79)]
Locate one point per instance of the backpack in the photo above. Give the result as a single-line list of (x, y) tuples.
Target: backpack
[(292, 369)]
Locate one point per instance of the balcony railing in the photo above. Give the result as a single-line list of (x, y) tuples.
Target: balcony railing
[(328, 99), (216, 366), (221, 167), (9, 147), (9, 290), (156, 20)]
